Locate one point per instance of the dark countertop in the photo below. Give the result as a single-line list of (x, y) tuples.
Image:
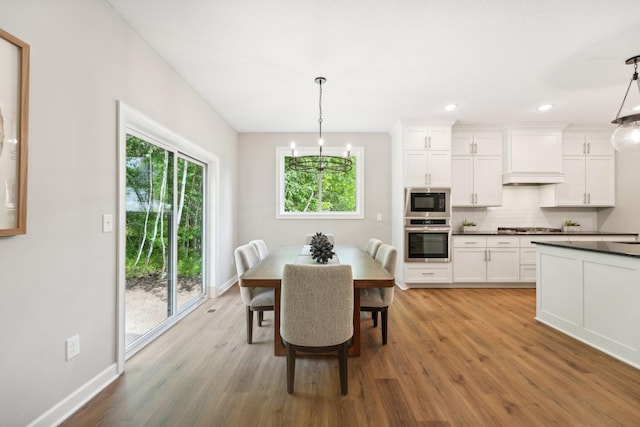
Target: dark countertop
[(631, 249), (556, 233)]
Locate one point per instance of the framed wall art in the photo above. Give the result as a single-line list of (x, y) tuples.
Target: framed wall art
[(14, 120)]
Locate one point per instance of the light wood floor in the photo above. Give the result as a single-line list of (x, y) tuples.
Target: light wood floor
[(455, 357)]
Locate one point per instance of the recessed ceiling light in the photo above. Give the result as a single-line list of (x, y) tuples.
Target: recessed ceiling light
[(450, 107), (545, 107), (636, 108)]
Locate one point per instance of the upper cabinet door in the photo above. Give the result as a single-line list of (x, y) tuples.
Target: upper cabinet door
[(427, 138), (487, 144), (439, 138), (415, 139), (415, 168)]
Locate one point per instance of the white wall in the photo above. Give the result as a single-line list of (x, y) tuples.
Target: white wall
[(59, 279), (257, 190)]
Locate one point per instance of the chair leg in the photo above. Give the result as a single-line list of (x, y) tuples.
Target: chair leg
[(384, 318), (249, 325), (260, 317), (291, 366), (374, 316), (343, 352)]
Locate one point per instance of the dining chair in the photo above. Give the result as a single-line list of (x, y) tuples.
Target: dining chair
[(372, 247), (331, 237), (255, 299), (316, 314), (378, 300), (261, 247)]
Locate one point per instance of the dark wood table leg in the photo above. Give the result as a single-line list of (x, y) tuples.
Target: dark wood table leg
[(355, 348), (278, 348)]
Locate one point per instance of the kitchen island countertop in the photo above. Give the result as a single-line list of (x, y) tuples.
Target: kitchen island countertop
[(631, 249), (552, 233)]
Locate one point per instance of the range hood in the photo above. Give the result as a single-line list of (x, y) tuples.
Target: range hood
[(532, 155)]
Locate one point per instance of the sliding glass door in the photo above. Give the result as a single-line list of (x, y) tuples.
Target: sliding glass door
[(164, 236)]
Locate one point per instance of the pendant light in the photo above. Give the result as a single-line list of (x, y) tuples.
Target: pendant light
[(321, 162), (626, 137)]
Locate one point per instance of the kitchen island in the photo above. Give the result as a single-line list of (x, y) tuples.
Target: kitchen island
[(591, 291)]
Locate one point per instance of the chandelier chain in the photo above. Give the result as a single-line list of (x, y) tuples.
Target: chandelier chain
[(320, 108)]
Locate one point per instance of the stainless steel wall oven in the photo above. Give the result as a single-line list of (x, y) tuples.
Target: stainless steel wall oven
[(427, 240)]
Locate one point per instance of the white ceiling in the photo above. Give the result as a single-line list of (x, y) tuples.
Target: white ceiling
[(255, 61)]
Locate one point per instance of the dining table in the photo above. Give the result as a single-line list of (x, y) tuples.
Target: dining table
[(367, 273)]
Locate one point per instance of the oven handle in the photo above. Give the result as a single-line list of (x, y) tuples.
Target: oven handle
[(428, 229)]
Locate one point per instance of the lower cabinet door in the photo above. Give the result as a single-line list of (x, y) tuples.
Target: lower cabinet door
[(469, 265), (503, 265)]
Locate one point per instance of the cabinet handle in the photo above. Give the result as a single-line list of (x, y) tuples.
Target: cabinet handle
[(471, 148), (489, 255), (584, 198), (475, 148), (470, 243), (588, 148), (584, 148), (430, 273), (588, 198), (485, 255), (427, 140), (475, 198), (503, 243)]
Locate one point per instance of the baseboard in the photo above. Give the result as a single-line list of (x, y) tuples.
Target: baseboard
[(463, 285), (216, 291), (65, 408)]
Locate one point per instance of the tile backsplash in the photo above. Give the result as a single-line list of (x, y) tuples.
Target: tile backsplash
[(521, 208)]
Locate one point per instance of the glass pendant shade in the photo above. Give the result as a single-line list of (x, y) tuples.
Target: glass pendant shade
[(626, 137)]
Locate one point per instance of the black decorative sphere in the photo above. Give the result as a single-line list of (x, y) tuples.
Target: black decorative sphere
[(321, 248)]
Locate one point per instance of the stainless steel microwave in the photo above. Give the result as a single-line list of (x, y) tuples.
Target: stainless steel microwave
[(427, 202)]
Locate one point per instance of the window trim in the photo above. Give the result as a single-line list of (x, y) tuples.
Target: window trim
[(283, 152)]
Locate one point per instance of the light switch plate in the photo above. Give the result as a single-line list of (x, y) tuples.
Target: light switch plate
[(107, 223)]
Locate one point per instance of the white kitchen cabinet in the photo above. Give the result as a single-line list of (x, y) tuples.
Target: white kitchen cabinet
[(486, 259), (476, 181), (416, 273), (476, 167), (427, 137), (427, 168), (427, 156), (589, 166)]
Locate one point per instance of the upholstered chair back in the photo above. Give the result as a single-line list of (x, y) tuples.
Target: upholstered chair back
[(387, 256), (246, 258), (261, 247), (316, 304), (372, 247)]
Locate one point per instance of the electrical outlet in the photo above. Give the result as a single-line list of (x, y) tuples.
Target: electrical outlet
[(73, 346)]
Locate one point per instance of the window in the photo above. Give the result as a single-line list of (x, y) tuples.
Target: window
[(313, 195)]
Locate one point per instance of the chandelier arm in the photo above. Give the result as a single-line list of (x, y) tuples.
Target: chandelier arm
[(627, 93)]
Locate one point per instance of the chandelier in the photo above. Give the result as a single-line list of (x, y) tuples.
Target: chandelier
[(320, 163), (626, 137)]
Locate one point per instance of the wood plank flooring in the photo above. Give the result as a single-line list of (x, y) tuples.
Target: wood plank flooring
[(455, 357)]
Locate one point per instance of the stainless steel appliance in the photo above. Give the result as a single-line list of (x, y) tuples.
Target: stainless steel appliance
[(427, 202), (427, 240)]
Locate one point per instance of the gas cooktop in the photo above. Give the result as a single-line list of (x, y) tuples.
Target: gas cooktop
[(528, 230)]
